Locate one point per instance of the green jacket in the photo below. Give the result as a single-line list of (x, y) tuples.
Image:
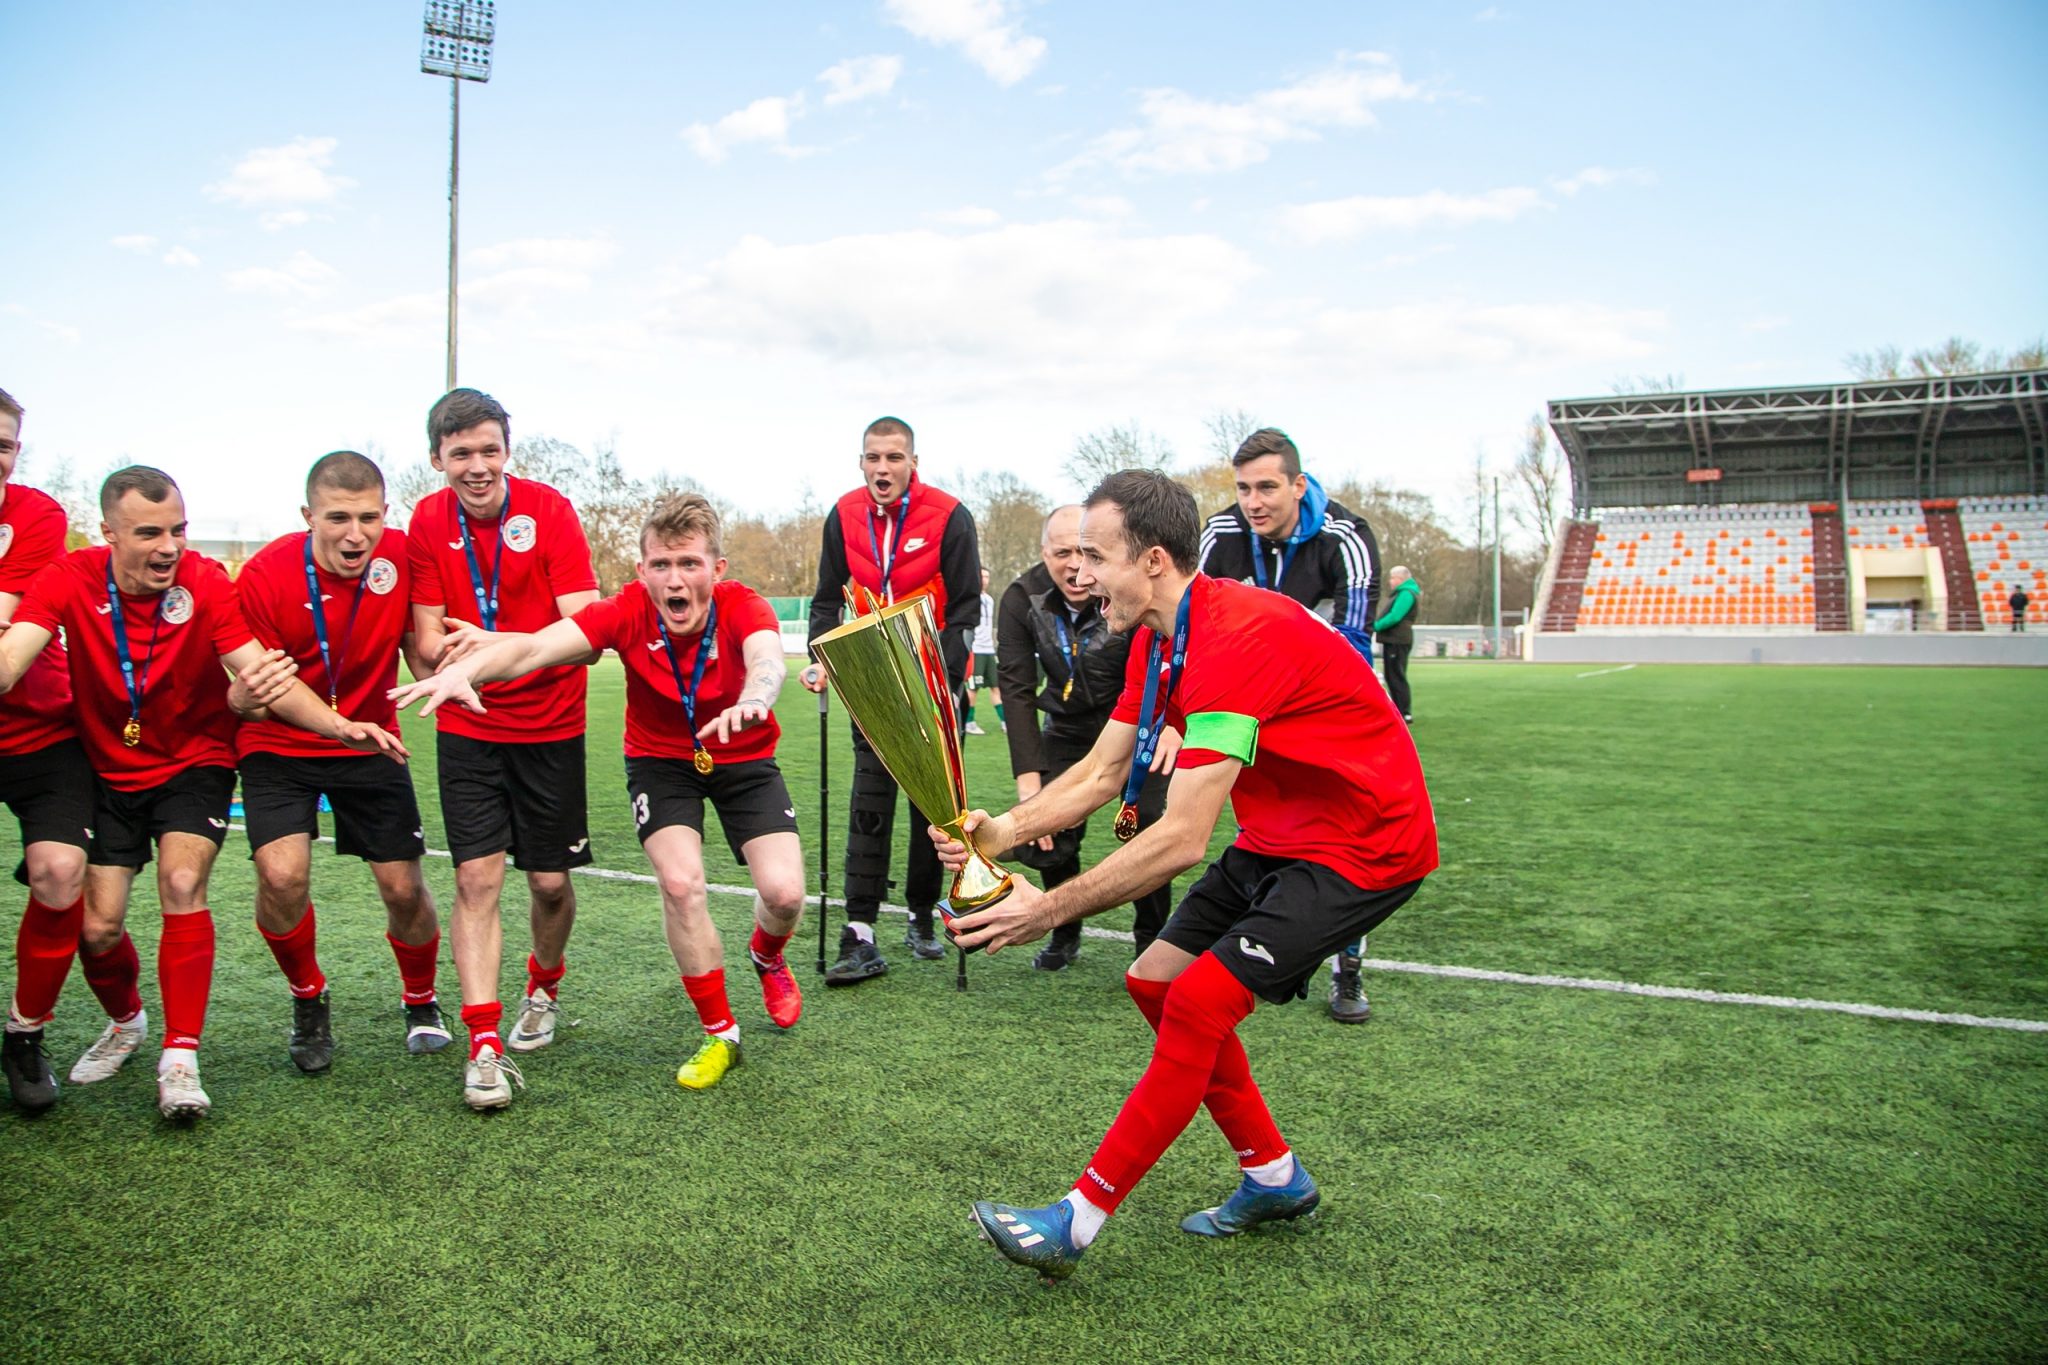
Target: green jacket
[(1398, 621)]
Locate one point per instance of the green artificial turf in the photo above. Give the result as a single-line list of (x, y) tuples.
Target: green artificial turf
[(1511, 1172)]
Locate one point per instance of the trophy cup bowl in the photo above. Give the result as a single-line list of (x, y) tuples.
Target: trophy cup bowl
[(887, 666)]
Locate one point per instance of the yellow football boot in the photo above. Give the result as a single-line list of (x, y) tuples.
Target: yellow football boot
[(709, 1064)]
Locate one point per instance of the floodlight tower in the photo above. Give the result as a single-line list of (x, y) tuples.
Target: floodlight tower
[(457, 45)]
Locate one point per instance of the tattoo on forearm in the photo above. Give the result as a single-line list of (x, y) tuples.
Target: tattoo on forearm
[(764, 684)]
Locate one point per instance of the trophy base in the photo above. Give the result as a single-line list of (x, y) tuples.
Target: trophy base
[(945, 913)]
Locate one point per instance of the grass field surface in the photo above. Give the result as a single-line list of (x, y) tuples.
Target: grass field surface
[(1511, 1172)]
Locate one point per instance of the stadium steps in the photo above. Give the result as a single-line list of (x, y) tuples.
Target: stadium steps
[(1830, 569), (1945, 533), (1568, 588)]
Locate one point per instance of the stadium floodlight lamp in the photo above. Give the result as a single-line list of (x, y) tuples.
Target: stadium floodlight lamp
[(458, 39)]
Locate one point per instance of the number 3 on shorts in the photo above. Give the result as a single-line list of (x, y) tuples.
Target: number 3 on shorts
[(640, 811)]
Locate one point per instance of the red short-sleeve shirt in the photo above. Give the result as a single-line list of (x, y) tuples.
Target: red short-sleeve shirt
[(1335, 778), (654, 710), (37, 713), (274, 601), (177, 636), (543, 555)]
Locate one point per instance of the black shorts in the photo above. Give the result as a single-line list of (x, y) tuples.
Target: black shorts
[(50, 792), (750, 797), (376, 815), (1272, 921), (524, 799), (125, 824)]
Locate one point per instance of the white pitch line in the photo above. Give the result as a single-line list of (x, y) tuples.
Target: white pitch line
[(1599, 671), (1575, 983)]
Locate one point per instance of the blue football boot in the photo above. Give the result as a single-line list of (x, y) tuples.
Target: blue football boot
[(1252, 1204), (1041, 1239)]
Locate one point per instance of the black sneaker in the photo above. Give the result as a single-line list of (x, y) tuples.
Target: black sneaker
[(425, 1030), (312, 1040), (1058, 954), (859, 960), (1348, 1004), (919, 938), (28, 1071)]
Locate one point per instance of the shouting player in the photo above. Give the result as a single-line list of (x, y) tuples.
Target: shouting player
[(1281, 717), (704, 667), (503, 554), (149, 626), (335, 598)]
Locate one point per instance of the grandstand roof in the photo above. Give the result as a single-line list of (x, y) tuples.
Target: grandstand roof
[(1979, 435)]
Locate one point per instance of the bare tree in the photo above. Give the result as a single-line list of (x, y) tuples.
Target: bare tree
[(1538, 474), (1227, 429), (1649, 383), (406, 489), (1101, 453), (76, 494), (1954, 356), (1481, 493), (1883, 362), (1008, 514)]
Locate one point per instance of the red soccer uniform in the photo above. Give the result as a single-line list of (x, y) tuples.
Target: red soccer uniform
[(37, 713), (185, 718), (1334, 779), (543, 556), (654, 708), (273, 591)]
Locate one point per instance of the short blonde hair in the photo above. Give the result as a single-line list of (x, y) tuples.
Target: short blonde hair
[(682, 516)]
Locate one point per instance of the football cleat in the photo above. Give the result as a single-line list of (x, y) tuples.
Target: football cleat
[(1348, 1004), (29, 1077), (780, 993), (858, 961), (709, 1063), (312, 1038), (115, 1045), (536, 1026), (1038, 1239), (178, 1095), (919, 938), (1252, 1204), (1058, 954), (424, 1029), (487, 1080)]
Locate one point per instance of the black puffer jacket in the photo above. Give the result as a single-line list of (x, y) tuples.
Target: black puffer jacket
[(1033, 670)]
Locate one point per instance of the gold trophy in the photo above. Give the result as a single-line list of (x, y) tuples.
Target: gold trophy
[(887, 666)]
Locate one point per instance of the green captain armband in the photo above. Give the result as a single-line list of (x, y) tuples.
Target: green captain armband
[(1226, 733)]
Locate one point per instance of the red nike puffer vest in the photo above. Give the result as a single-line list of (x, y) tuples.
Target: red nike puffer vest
[(915, 568)]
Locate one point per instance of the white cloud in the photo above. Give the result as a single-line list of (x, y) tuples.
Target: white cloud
[(859, 78), (295, 173), (141, 243), (284, 218), (1340, 219), (1491, 14), (303, 276), (181, 257), (1767, 322), (577, 255), (393, 319), (1183, 133), (968, 215), (64, 332), (1104, 205), (765, 120), (981, 29), (1597, 177)]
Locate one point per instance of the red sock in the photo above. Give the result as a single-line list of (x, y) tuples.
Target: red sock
[(184, 973), (42, 954), (549, 979), (293, 950), (482, 1022), (416, 963), (766, 947), (1233, 1099), (1203, 1006), (114, 977), (707, 993)]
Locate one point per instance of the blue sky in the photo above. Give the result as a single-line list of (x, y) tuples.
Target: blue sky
[(725, 237)]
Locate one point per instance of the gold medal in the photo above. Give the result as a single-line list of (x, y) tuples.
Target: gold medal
[(1127, 823), (334, 701), (703, 762), (131, 733), (1067, 692)]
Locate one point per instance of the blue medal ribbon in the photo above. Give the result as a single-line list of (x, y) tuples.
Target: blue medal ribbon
[(333, 662), (705, 644), (1152, 714), (131, 733), (1071, 652), (486, 601), (888, 566), (1286, 552)]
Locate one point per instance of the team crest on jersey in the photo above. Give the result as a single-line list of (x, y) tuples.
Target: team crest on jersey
[(381, 577), (520, 534), (177, 606), (6, 537)]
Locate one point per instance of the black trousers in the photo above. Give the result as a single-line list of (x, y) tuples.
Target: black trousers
[(1394, 664), (1063, 752), (870, 836)]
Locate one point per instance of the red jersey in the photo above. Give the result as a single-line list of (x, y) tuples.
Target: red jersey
[(654, 707), (273, 591), (541, 556), (177, 636), (1334, 778), (37, 713)]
